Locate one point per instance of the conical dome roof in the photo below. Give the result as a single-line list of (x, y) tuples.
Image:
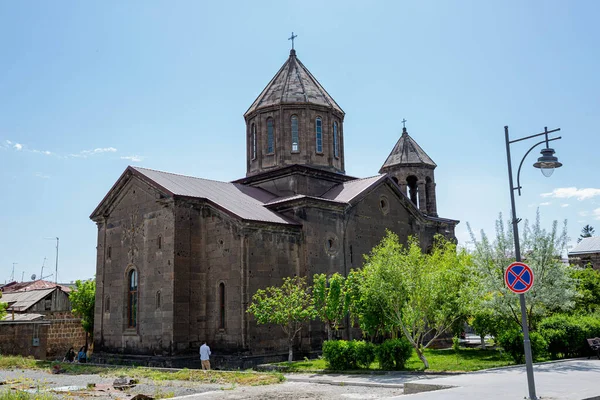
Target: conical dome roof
[(292, 84), (407, 152)]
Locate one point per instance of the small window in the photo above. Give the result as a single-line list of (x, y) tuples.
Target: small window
[(270, 136), (160, 242), (158, 300), (253, 141), (336, 146), (107, 304), (384, 205), (295, 145), (132, 299), (109, 252), (48, 304), (221, 305), (319, 134)]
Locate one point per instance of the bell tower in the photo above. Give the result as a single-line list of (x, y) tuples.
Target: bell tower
[(412, 169), (294, 121)]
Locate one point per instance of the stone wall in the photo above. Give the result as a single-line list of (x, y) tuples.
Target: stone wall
[(137, 234), (583, 260), (64, 331), (17, 338)]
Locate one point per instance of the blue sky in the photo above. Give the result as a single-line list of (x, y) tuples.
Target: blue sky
[(87, 88)]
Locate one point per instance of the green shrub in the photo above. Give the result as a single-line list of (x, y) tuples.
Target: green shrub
[(339, 354), (566, 334), (393, 353), (365, 353), (512, 342)]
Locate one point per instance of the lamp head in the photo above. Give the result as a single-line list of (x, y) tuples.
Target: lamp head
[(547, 162)]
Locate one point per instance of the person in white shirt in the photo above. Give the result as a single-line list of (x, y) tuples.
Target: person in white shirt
[(205, 357)]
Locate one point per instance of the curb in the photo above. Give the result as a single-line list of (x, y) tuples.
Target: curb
[(347, 383)]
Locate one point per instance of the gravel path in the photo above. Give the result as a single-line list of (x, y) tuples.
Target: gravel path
[(75, 387), (36, 380)]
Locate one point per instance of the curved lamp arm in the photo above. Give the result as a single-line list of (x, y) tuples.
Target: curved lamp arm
[(518, 188)]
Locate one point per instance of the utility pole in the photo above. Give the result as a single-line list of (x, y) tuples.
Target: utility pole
[(56, 267), (12, 275)]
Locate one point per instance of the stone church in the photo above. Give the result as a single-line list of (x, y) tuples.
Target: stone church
[(179, 257)]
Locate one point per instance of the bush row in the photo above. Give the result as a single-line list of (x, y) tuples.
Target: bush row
[(566, 334), (560, 336), (342, 354)]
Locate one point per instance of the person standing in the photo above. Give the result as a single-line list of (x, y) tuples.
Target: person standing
[(205, 356)]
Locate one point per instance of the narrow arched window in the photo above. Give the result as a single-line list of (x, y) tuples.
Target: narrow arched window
[(159, 242), (132, 298), (319, 134), (295, 145), (158, 300), (107, 304), (221, 305), (270, 136), (336, 146), (253, 141)]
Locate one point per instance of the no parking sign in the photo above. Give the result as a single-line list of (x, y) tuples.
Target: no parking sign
[(518, 277)]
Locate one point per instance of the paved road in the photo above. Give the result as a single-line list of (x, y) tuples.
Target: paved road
[(565, 380)]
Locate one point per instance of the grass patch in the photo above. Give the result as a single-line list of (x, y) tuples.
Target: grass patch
[(192, 375), (439, 361), (461, 360), (20, 395)]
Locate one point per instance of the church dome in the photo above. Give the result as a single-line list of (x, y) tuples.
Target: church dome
[(293, 84), (294, 121)]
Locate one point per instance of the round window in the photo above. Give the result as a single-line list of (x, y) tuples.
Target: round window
[(384, 204)]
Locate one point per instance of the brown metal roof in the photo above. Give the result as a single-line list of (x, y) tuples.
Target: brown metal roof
[(244, 201), (32, 285), (407, 152), (293, 83), (347, 191)]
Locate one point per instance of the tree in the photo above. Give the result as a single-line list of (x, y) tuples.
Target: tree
[(3, 307), (588, 289), (288, 306), (331, 301), (418, 295), (83, 299), (553, 288), (586, 232)]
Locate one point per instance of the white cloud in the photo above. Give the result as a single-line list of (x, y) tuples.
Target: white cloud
[(564, 205), (8, 142), (46, 152), (40, 175), (133, 158), (547, 203), (18, 146), (583, 213), (596, 213), (98, 150), (567, 193)]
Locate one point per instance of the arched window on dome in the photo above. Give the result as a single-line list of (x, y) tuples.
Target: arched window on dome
[(270, 136), (295, 143), (319, 134), (253, 141), (336, 144)]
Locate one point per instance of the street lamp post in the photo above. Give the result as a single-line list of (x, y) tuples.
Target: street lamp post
[(547, 163)]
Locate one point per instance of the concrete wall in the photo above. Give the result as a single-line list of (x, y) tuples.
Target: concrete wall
[(16, 338)]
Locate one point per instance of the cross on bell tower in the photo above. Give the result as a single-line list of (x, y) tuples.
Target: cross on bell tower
[(292, 39)]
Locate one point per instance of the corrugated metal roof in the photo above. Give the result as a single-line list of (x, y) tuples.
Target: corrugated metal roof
[(244, 201), (293, 83), (587, 245), (21, 301), (407, 151), (345, 192), (32, 285), (10, 317)]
